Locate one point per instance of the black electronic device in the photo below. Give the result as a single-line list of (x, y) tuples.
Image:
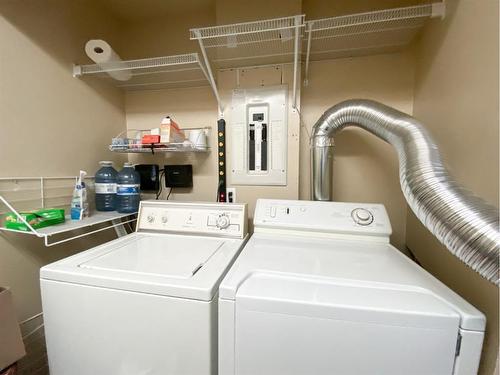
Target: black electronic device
[(150, 176), (179, 176)]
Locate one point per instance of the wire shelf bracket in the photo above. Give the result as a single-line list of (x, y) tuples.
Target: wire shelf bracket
[(379, 31), (271, 41)]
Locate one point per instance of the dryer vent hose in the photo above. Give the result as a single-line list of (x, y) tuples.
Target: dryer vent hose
[(462, 222)]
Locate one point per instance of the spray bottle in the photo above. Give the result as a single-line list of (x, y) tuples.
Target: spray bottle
[(79, 203)]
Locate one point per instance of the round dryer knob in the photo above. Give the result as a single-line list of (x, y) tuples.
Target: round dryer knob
[(150, 218), (362, 216), (222, 221), (164, 219)]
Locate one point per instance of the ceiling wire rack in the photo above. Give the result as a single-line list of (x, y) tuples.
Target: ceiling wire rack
[(371, 32), (271, 41), (30, 193), (156, 73)]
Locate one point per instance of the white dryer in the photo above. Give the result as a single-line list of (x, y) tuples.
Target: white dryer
[(145, 303), (318, 289)]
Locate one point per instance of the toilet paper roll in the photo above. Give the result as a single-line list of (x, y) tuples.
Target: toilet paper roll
[(103, 55)]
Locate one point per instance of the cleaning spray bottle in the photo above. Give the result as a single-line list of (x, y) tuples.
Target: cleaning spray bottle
[(79, 203)]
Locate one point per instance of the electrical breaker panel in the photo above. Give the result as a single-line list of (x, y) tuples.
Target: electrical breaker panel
[(258, 136)]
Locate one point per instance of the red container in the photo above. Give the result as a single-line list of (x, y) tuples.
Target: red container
[(149, 139)]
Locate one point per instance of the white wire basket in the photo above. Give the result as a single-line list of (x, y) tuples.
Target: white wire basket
[(130, 141)]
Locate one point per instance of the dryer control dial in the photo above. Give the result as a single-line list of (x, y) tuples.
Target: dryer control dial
[(150, 218), (222, 221), (362, 216)]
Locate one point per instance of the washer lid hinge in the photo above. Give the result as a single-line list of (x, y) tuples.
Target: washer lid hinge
[(198, 267), (459, 344)]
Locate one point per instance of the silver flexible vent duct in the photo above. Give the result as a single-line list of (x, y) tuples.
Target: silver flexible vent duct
[(463, 223)]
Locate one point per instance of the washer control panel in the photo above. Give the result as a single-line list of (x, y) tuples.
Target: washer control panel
[(328, 217), (220, 219)]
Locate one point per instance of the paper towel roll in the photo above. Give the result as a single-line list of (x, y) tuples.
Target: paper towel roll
[(103, 55)]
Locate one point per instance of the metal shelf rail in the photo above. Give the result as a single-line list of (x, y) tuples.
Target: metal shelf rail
[(366, 33), (271, 41), (39, 192)]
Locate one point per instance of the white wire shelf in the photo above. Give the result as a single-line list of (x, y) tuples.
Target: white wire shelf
[(29, 193), (167, 72), (271, 41), (123, 144), (251, 43), (366, 33)]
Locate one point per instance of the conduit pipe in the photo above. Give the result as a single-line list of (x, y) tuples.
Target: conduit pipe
[(462, 222)]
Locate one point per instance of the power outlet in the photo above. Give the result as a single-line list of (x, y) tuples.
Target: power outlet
[(231, 195)]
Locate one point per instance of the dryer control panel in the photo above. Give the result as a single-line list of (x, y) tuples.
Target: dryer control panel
[(219, 219), (325, 217)]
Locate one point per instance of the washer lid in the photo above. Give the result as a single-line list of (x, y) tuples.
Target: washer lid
[(172, 265), (172, 257)]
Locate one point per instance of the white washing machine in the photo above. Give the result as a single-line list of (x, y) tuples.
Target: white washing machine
[(145, 303), (318, 289)]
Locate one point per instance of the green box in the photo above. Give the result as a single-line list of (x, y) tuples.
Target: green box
[(37, 219)]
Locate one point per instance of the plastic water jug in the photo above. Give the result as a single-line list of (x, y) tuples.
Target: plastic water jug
[(128, 189), (105, 187)]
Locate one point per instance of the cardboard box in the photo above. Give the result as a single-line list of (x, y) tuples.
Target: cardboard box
[(10, 334), (170, 131)]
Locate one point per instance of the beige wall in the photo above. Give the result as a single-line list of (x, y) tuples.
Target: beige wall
[(157, 37), (456, 97), (365, 168), (233, 11), (51, 124)]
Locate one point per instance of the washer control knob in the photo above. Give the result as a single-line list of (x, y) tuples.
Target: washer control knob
[(164, 219), (362, 216), (150, 218), (222, 221), (273, 211)]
